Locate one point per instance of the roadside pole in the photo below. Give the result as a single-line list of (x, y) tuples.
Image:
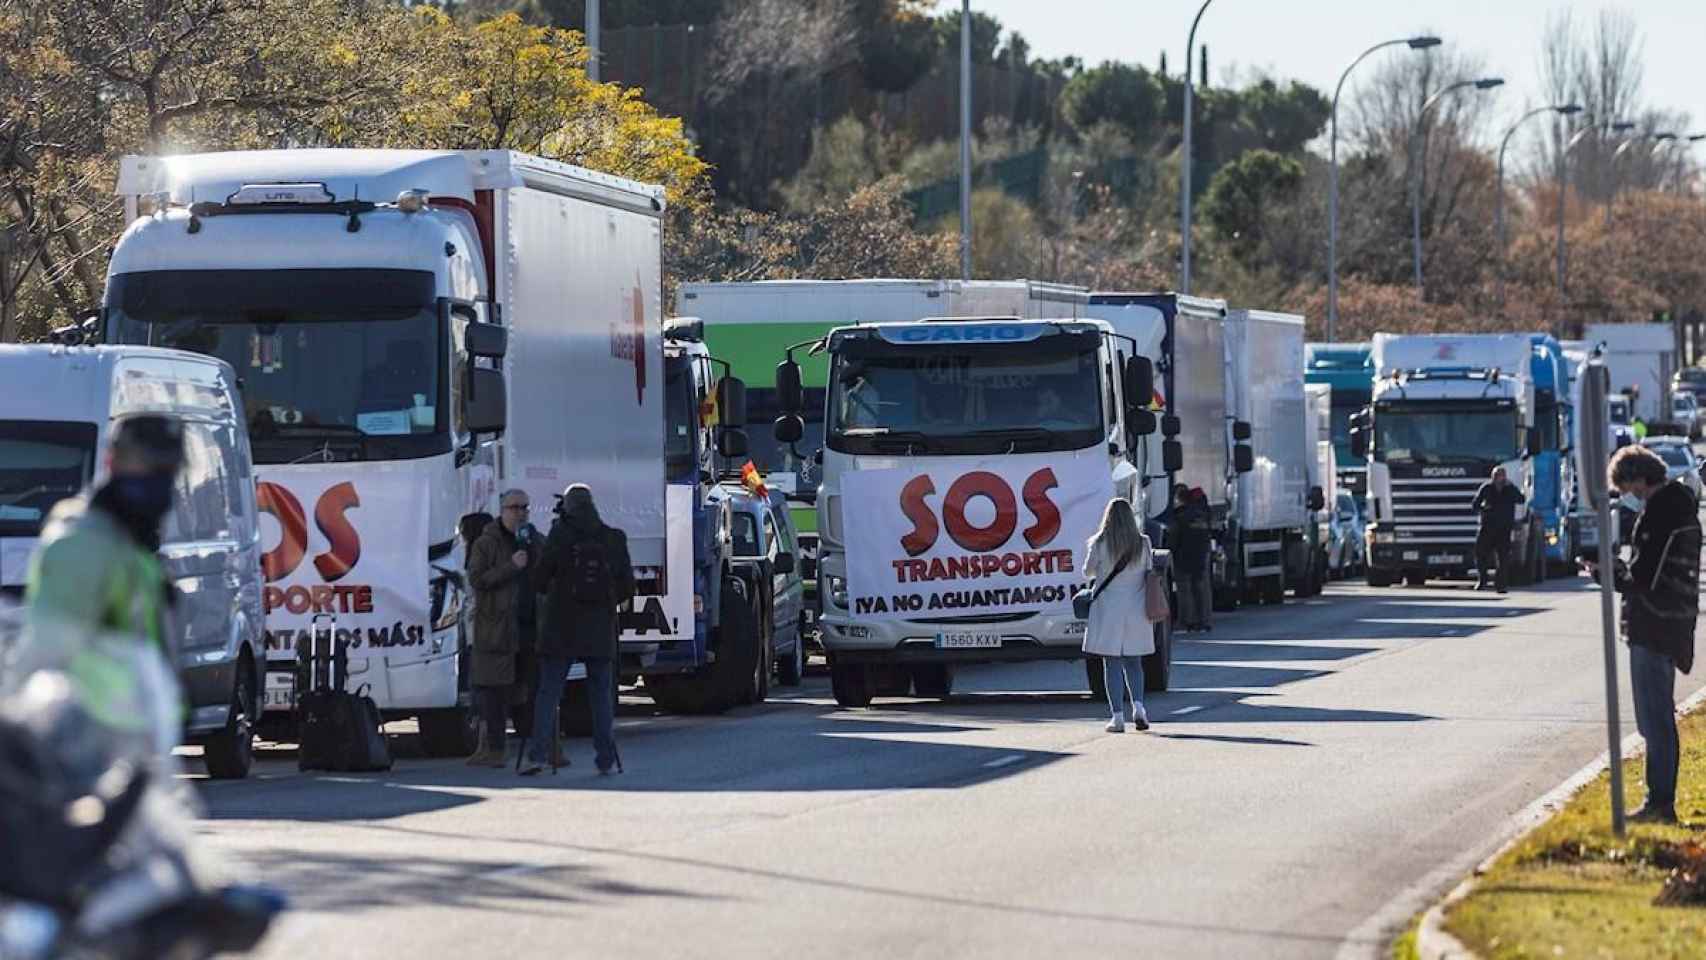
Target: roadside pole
[(1596, 385)]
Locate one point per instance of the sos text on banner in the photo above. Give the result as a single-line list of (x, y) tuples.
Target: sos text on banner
[(352, 548), (998, 535)]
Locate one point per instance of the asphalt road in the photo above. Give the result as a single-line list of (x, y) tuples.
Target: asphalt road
[(1312, 764)]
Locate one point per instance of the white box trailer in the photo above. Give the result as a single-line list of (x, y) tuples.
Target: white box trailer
[(1264, 377), (377, 305), (1641, 357)]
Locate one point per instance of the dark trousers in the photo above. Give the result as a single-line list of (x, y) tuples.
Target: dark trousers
[(493, 703), (601, 697), (1493, 549), (1652, 676)]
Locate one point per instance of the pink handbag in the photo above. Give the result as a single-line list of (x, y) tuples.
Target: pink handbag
[(1155, 608)]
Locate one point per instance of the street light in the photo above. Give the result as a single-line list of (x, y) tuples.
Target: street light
[(1611, 194), (1563, 183), (1414, 43), (1563, 110), (965, 139), (1185, 161), (1484, 83), (592, 39)]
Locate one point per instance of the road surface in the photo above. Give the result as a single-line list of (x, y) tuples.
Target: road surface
[(1312, 764)]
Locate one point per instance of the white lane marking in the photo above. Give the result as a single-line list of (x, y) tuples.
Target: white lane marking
[(1184, 710), (1011, 758)]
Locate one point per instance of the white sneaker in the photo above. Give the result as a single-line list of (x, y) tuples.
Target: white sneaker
[(1139, 716), (1116, 725)]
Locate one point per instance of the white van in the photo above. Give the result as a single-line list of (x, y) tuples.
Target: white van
[(56, 412)]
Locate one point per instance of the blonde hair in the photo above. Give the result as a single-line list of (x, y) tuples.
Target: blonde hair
[(1119, 533)]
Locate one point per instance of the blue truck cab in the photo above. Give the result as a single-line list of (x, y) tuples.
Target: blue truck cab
[(1554, 468), (1348, 369)]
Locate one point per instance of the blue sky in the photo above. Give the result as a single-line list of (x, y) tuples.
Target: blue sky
[(1313, 40)]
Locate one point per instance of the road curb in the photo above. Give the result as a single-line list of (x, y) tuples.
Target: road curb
[(1432, 940)]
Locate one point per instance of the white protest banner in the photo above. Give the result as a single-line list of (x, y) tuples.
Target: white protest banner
[(350, 543), (971, 536)]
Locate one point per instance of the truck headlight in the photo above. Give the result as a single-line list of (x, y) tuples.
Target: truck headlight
[(447, 599), (1383, 536), (837, 590)]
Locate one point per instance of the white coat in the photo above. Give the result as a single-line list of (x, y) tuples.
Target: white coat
[(1117, 626)]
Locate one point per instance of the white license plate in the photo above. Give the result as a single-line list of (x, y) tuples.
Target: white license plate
[(281, 691), (1445, 559), (961, 641)]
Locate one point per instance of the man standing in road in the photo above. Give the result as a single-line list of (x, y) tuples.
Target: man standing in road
[(1496, 504), (498, 571), (1193, 532), (586, 574), (1661, 599)]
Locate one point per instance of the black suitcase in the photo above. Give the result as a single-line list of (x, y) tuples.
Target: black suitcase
[(339, 730)]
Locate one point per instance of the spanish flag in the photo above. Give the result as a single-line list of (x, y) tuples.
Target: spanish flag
[(754, 483), (708, 413)]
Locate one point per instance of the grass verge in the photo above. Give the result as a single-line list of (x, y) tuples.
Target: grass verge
[(1571, 889)]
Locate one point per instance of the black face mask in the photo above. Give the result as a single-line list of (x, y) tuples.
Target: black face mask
[(145, 498)]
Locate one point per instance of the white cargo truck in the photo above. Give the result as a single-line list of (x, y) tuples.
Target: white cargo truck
[(1323, 475), (414, 331), (1641, 358), (966, 464), (1447, 409), (1265, 533)]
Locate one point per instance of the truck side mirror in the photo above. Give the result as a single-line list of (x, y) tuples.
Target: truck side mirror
[(484, 339), (1359, 442), (1139, 383), (1172, 456), (731, 402), (484, 409), (788, 428), (1170, 426), (1243, 458), (783, 564), (1317, 499), (789, 393), (1240, 431), (1140, 423), (731, 443)]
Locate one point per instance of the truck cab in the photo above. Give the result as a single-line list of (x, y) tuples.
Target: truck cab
[(967, 462), (1554, 468), (1348, 371), (1446, 410)]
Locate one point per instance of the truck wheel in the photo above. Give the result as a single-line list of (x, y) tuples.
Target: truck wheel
[(449, 733), (791, 670), (1158, 666), (1098, 679), (851, 683), (934, 681), (733, 677), (681, 694), (230, 752), (1379, 578), (1273, 591), (1415, 578), (758, 690)]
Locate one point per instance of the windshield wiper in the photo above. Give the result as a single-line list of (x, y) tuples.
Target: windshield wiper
[(338, 429), (35, 490), (910, 438)]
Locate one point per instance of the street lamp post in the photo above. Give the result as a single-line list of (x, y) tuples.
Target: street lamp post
[(1185, 161), (1687, 141), (1414, 43), (1564, 110), (965, 139), (1563, 185), (1611, 192), (1484, 83), (592, 39)]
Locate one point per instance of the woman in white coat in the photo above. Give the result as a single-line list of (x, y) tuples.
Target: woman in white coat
[(1118, 631)]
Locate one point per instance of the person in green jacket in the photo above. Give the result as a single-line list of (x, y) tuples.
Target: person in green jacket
[(97, 569)]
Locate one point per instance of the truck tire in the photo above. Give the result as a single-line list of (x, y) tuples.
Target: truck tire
[(1158, 666), (1273, 591), (851, 683), (758, 690), (684, 694), (449, 733), (1380, 578), (934, 681), (1415, 578), (733, 677), (230, 752), (1098, 679)]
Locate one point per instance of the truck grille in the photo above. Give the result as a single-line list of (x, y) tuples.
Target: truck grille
[(1435, 510)]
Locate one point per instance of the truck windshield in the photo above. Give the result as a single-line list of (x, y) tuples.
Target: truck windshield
[(1346, 401), (347, 362), (950, 398), (1548, 419), (41, 463), (1445, 433), (681, 419)]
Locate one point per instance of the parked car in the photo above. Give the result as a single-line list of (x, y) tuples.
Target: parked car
[(763, 532), (1680, 460), (56, 414), (1346, 550), (1685, 410), (1690, 380)]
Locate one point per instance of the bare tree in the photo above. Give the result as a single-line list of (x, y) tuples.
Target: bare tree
[(1601, 69)]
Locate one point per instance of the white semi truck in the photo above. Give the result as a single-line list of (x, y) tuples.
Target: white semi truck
[(966, 464), (1641, 358), (1446, 410), (413, 331)]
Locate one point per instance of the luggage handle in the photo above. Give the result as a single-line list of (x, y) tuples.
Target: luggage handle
[(327, 668)]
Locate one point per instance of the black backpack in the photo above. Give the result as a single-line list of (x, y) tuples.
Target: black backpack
[(589, 578)]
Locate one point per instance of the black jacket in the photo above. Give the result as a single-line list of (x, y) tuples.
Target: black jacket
[(1192, 536), (1498, 507), (1661, 586), (570, 628)]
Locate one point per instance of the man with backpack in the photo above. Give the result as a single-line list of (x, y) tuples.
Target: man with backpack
[(585, 573)]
